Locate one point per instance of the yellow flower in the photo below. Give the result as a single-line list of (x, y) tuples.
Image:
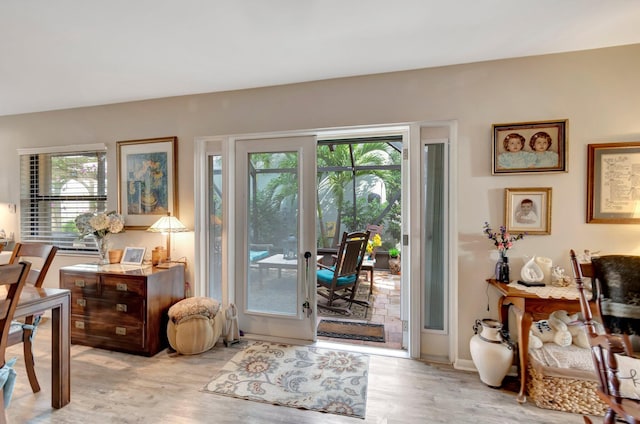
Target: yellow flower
[(376, 241)]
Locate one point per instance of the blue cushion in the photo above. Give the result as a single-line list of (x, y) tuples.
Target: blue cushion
[(325, 276), (256, 255)]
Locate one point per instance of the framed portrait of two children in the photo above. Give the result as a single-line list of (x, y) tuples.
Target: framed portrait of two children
[(529, 147)]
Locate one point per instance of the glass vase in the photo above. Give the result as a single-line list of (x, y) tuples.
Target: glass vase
[(502, 270), (103, 249)]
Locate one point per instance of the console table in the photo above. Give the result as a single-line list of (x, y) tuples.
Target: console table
[(120, 307), (531, 304)]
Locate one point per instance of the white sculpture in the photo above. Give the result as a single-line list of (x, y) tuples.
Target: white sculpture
[(531, 272)]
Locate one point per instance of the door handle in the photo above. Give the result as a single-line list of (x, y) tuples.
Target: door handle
[(306, 306)]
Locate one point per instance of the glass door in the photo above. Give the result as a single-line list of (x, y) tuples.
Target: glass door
[(275, 227)]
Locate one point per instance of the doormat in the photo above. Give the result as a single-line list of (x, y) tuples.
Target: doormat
[(307, 377), (351, 330)]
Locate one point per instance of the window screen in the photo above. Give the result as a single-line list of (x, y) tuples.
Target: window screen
[(54, 189)]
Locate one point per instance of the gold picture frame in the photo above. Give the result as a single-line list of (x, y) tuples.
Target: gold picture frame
[(147, 180), (528, 210), (528, 147), (613, 183)]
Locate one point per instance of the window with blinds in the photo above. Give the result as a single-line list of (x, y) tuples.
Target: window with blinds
[(54, 189)]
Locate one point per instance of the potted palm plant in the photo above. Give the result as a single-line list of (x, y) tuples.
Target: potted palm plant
[(394, 261)]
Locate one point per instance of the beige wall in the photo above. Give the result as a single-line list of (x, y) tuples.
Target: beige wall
[(597, 91)]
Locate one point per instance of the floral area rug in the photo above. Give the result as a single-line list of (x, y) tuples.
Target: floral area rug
[(305, 377)]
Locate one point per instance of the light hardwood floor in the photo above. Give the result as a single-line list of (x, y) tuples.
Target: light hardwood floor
[(110, 387)]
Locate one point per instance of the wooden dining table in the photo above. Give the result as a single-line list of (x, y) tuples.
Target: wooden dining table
[(35, 301)]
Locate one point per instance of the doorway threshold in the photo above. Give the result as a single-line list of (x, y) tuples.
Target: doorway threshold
[(323, 344), (370, 350)]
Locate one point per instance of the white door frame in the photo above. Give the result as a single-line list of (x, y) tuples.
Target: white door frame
[(438, 345), (224, 145)]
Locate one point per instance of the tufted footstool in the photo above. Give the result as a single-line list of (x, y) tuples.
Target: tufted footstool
[(195, 324)]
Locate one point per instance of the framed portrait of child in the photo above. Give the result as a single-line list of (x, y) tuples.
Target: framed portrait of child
[(528, 210), (529, 147)]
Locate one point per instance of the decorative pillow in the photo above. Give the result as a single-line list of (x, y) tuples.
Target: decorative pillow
[(629, 376)]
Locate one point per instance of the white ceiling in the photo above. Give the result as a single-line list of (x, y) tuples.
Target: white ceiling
[(72, 53)]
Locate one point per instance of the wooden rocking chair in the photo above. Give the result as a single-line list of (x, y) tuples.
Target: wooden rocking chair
[(340, 281), (608, 350)]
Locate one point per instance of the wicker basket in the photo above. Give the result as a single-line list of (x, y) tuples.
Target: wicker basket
[(569, 394)]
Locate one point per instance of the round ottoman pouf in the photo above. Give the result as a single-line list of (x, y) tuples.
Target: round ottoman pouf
[(193, 327)]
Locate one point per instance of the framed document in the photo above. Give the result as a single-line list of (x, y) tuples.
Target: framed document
[(613, 183)]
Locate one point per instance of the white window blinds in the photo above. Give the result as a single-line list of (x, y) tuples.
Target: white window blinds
[(55, 187)]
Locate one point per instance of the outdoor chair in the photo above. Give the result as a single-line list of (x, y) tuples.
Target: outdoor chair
[(13, 277), (614, 280), (24, 332), (340, 281)]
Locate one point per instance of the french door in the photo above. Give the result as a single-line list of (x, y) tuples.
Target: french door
[(275, 246), (261, 206)]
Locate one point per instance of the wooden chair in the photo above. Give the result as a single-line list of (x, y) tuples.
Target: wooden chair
[(13, 278), (606, 349), (340, 281), (33, 252), (373, 230)]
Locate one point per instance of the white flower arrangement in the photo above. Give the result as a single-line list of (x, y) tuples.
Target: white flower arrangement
[(100, 224)]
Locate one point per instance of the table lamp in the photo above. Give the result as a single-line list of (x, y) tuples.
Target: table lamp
[(168, 225)]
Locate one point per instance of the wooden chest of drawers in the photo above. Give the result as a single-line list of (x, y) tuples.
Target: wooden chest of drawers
[(122, 308)]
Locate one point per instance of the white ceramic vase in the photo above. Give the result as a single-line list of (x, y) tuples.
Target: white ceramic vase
[(491, 354)]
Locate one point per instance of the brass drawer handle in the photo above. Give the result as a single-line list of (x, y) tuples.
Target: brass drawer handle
[(121, 307), (121, 331), (80, 283), (81, 302), (80, 325), (121, 287)]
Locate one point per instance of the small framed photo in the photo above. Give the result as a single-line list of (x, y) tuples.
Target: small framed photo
[(529, 147), (147, 180), (613, 183), (528, 210), (133, 255)]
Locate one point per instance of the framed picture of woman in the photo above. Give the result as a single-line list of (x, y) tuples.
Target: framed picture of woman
[(147, 179)]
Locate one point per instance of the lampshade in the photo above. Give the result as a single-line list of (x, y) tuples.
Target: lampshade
[(168, 225)]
